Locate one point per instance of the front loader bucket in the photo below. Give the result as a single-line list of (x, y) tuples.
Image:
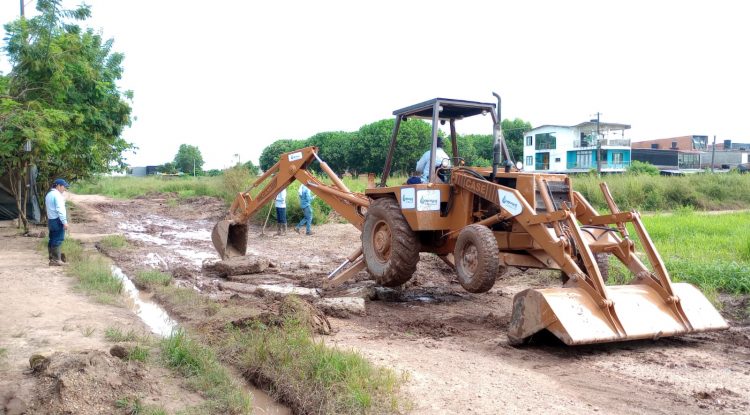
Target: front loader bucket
[(573, 316), (230, 239)]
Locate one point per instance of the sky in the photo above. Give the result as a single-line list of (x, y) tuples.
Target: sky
[(231, 77)]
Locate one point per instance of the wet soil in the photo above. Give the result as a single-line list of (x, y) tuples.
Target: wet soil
[(452, 344), (42, 314)]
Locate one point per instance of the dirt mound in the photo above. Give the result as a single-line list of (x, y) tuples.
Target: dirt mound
[(87, 382)]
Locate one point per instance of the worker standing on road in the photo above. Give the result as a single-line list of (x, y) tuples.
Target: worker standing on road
[(423, 165), (57, 220), (305, 202), (280, 204)]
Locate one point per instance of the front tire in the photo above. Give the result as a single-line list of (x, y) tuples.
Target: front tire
[(476, 257), (389, 245)]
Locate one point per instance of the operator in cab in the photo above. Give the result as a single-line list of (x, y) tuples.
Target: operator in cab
[(423, 165)]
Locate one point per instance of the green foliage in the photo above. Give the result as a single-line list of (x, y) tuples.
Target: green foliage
[(116, 335), (640, 167), (114, 242), (251, 168), (365, 150), (61, 95), (271, 153), (152, 277), (205, 373), (653, 193), (167, 168), (189, 160), (325, 379), (138, 353), (708, 250), (513, 132)]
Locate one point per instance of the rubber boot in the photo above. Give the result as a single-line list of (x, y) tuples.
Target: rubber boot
[(56, 260), (49, 253), (285, 228), (278, 229)]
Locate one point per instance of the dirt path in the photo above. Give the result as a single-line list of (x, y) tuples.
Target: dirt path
[(41, 313), (452, 343)]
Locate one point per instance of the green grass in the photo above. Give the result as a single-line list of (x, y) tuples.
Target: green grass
[(318, 378), (205, 375), (93, 272), (709, 250), (113, 334), (138, 353), (662, 193), (134, 406), (300, 368), (3, 352), (114, 242), (130, 187), (151, 278)]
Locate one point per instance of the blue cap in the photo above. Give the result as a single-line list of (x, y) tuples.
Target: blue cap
[(59, 182)]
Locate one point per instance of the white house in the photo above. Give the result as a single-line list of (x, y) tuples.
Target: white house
[(571, 149)]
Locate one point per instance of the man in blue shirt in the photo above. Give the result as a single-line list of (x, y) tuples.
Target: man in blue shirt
[(423, 165), (57, 220), (305, 201)]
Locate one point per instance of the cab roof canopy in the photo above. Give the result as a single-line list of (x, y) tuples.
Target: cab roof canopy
[(452, 108)]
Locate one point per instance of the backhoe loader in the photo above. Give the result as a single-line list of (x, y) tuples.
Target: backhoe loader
[(481, 221)]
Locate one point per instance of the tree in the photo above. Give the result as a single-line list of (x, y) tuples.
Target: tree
[(167, 168), (513, 131), (252, 168), (189, 159), (61, 98), (271, 153), (370, 147), (333, 148)]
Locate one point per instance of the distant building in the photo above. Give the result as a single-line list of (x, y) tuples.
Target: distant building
[(690, 152), (570, 149), (143, 171), (727, 145), (669, 159), (685, 142)]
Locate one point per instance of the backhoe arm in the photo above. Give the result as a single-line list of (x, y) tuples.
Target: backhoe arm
[(230, 236)]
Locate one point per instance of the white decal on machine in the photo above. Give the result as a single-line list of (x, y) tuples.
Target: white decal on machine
[(509, 202), (295, 156), (428, 200), (408, 200)]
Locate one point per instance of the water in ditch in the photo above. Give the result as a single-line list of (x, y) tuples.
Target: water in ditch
[(160, 323)]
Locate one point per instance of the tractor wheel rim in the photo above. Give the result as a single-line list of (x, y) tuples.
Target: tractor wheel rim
[(381, 241), (470, 259)]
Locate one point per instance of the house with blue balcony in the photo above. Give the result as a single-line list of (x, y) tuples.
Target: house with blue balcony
[(578, 148)]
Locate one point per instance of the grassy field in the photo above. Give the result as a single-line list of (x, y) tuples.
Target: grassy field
[(646, 193), (711, 251)]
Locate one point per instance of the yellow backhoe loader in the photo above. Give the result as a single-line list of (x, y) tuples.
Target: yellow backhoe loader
[(482, 221)]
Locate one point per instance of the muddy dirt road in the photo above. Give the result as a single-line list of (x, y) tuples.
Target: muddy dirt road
[(451, 343), (42, 314)]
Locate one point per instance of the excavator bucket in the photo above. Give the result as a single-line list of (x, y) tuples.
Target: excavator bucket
[(573, 316), (229, 238)]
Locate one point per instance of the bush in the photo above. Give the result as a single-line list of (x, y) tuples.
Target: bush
[(639, 167)]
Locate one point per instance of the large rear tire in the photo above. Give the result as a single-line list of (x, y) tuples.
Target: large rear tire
[(389, 245), (476, 257)]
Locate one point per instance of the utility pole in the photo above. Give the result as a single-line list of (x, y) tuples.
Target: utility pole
[(598, 146), (22, 8)]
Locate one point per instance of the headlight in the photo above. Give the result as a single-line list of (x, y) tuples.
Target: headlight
[(445, 163)]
